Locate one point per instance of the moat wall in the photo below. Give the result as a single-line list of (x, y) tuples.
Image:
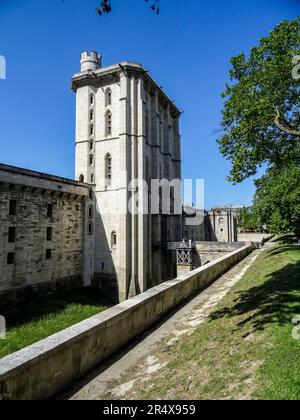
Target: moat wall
[(46, 368), (206, 252)]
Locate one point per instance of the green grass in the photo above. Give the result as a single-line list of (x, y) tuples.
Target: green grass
[(40, 318), (246, 349)]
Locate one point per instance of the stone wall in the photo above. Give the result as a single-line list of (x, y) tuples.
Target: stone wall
[(46, 368), (206, 252), (41, 231), (217, 225), (222, 225)]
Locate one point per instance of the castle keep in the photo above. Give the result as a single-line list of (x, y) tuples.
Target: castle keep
[(101, 229), (127, 129)]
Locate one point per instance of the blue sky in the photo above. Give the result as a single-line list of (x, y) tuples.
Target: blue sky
[(187, 50)]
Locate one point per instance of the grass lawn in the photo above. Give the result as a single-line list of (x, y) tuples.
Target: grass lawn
[(246, 349), (40, 318)]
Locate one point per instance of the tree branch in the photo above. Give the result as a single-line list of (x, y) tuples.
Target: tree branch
[(284, 128)]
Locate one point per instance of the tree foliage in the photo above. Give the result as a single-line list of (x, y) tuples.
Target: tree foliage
[(105, 6), (261, 115), (247, 219), (277, 200)]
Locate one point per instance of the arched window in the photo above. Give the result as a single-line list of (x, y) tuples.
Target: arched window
[(108, 123), (81, 178), (92, 178), (108, 96), (113, 240), (91, 160), (91, 115), (91, 129), (91, 145), (90, 212), (92, 99), (108, 169)]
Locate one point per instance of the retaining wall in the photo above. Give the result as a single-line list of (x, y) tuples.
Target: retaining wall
[(206, 252), (47, 367)]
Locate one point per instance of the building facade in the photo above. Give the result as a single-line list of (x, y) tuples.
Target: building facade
[(127, 134), (216, 225), (222, 225), (42, 231)]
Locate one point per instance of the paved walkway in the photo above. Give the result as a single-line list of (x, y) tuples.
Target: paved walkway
[(118, 376), (253, 237)]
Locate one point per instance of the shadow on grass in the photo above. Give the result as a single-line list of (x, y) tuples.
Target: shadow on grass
[(287, 239), (24, 312), (283, 250), (275, 301)]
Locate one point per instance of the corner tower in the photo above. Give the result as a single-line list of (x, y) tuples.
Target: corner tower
[(90, 61)]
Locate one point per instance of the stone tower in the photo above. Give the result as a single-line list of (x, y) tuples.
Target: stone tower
[(127, 131), (222, 225)]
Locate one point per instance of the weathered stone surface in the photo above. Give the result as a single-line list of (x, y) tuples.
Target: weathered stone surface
[(143, 144), (32, 264), (205, 252)]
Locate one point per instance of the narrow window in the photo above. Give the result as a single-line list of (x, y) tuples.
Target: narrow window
[(108, 124), (108, 97), (91, 145), (92, 178), (10, 258), (113, 240), (172, 195), (48, 254), (160, 135), (160, 200), (167, 140), (91, 130), (147, 127), (90, 228), (81, 178), (12, 235), (91, 159), (91, 99), (91, 115), (90, 212), (91, 194), (50, 210), (12, 207), (108, 169), (49, 234)]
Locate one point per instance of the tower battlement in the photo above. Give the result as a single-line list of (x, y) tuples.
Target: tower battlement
[(90, 61)]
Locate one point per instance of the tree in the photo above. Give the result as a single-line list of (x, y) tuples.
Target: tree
[(277, 200), (247, 219), (261, 115), (105, 6)]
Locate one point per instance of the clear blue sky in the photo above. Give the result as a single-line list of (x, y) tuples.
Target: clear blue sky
[(187, 50)]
